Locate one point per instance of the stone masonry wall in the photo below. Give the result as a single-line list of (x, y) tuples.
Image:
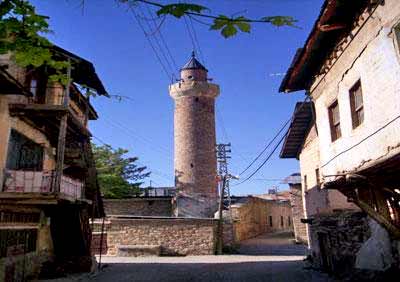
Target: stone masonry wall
[(340, 236), (251, 217), (194, 138), (296, 202), (160, 206), (175, 236)]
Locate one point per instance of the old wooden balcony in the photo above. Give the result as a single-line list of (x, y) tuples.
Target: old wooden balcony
[(46, 111), (38, 186)]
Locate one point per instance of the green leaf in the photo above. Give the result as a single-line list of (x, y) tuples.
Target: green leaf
[(178, 10), (242, 25), (219, 22), (229, 30), (280, 20)]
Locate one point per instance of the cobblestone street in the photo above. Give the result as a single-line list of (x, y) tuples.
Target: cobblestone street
[(265, 258)]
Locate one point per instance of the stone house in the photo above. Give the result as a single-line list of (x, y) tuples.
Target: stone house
[(347, 136), (259, 214), (48, 183)]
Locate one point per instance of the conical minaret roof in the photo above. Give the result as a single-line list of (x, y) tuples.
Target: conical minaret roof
[(193, 64)]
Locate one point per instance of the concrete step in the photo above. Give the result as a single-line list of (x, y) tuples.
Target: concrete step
[(138, 250)]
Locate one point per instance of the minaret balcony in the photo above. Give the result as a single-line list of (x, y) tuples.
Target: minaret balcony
[(194, 89)]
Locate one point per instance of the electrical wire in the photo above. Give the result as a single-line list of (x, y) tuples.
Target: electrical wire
[(151, 44), (196, 40), (154, 171), (264, 162), (163, 41), (364, 139), (274, 138), (267, 146), (270, 143)]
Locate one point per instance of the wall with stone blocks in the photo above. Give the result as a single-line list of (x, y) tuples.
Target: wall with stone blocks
[(296, 202), (251, 217), (175, 236), (152, 206)]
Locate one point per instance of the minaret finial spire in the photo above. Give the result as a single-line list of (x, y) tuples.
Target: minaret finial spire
[(193, 54)]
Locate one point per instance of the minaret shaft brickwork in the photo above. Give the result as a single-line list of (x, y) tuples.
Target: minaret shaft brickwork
[(194, 136)]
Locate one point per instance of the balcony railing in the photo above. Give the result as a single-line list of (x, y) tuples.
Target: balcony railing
[(20, 181)]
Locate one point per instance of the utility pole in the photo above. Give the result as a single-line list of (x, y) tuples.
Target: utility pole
[(222, 151)]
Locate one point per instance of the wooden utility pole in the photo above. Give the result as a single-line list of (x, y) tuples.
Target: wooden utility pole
[(62, 136)]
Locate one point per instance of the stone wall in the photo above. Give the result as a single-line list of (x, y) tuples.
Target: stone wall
[(174, 236), (340, 236), (194, 140), (296, 202), (151, 206), (251, 217)]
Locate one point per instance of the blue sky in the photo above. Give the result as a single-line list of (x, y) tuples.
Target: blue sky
[(249, 110)]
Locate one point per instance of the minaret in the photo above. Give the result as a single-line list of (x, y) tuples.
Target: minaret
[(194, 135)]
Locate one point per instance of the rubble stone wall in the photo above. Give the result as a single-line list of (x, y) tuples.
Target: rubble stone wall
[(340, 236), (296, 202), (175, 236), (152, 206)]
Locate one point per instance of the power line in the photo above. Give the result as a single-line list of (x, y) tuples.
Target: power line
[(267, 146), (276, 147), (154, 171), (158, 30), (276, 136), (137, 137), (150, 43), (265, 161), (364, 139), (196, 40)]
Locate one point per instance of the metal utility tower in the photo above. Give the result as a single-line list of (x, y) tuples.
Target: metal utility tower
[(222, 151)]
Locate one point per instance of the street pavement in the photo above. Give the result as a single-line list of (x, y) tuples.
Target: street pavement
[(265, 258)]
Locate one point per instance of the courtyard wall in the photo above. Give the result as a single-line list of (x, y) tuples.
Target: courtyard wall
[(174, 236)]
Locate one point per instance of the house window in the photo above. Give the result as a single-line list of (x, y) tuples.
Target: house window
[(317, 177), (270, 221), (281, 221), (356, 104), (23, 153), (334, 120), (36, 84), (17, 242), (289, 221)]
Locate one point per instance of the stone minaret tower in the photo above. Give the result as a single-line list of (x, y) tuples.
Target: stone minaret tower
[(194, 136)]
